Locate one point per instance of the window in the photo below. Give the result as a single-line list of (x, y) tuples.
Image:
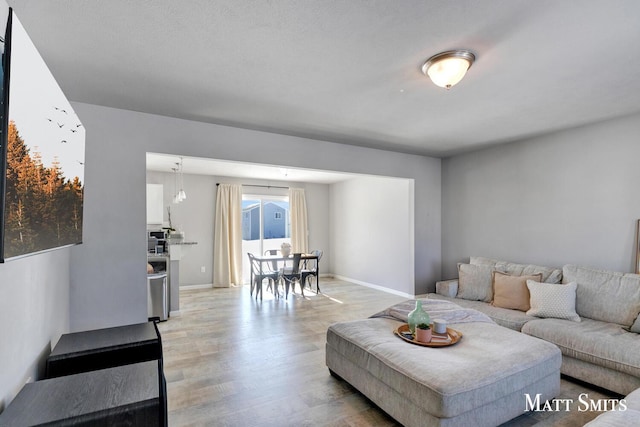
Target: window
[(265, 218)]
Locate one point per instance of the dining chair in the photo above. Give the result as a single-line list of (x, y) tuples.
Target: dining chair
[(292, 274), (311, 269), (273, 252), (274, 267), (258, 276)]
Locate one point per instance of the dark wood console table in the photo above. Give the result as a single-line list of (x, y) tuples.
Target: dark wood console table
[(104, 348), (132, 395)]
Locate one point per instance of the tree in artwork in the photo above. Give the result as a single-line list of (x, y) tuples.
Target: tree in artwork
[(43, 209)]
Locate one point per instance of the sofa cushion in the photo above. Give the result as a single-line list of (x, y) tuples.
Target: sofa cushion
[(549, 275), (511, 291), (553, 300), (512, 319), (618, 418), (605, 295), (633, 400), (474, 282), (478, 260), (635, 327), (599, 343), (447, 287)]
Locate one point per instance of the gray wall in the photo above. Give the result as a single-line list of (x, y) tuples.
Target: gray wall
[(34, 312), (570, 197), (108, 276)]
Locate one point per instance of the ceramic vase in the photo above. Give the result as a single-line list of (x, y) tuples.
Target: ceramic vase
[(285, 249), (423, 335), (417, 316)]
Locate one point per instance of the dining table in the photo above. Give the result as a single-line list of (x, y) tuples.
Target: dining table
[(275, 259)]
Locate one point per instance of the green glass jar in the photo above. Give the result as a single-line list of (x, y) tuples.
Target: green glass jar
[(417, 316)]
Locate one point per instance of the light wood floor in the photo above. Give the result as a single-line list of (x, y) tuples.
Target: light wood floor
[(233, 361)]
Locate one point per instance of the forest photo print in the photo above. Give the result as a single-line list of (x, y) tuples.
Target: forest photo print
[(45, 157)]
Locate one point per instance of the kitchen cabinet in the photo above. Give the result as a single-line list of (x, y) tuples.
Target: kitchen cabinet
[(155, 204)]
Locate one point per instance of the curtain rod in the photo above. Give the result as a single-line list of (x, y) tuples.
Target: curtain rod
[(255, 185)]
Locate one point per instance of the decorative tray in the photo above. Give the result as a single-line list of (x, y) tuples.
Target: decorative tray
[(451, 338)]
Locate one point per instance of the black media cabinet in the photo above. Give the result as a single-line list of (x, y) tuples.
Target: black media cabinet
[(104, 348)]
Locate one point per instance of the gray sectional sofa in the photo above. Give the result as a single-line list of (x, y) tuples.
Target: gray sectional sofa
[(601, 345)]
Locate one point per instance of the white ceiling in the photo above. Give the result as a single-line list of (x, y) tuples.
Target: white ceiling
[(349, 70)]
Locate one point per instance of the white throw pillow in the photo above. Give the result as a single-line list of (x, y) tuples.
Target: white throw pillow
[(553, 300)]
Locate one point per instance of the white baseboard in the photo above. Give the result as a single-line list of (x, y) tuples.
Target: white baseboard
[(324, 276), (175, 313), (189, 287), (371, 285)]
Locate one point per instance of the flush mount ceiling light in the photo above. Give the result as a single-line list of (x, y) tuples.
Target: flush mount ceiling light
[(448, 68)]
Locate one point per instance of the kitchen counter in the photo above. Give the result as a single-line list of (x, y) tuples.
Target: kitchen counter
[(176, 247)]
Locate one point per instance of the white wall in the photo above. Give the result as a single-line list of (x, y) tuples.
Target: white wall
[(372, 232), (570, 197), (108, 276), (34, 312)]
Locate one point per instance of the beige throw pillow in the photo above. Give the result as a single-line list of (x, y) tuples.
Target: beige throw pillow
[(511, 291), (474, 282), (552, 300)]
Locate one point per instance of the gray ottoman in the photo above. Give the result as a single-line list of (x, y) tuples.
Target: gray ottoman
[(483, 380)]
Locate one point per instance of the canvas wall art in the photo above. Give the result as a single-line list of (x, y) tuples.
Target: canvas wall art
[(44, 143)]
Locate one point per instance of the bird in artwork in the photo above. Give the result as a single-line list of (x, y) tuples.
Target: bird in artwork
[(82, 163), (74, 130), (78, 125), (60, 125), (49, 119), (64, 141)]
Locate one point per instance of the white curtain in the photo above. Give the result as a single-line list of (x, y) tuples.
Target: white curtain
[(227, 245), (299, 228)]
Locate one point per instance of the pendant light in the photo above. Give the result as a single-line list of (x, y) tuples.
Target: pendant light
[(176, 199), (181, 194)]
